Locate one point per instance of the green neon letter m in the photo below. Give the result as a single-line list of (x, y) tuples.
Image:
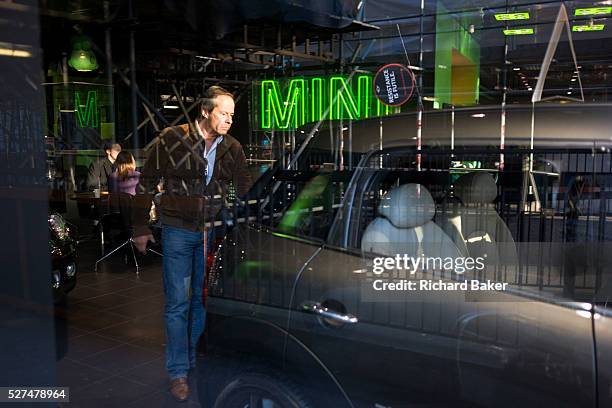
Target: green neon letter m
[(87, 115), (344, 103), (282, 113)]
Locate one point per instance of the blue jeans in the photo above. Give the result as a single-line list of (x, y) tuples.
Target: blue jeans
[(184, 314)]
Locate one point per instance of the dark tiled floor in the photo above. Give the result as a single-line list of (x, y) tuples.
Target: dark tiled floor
[(114, 335)]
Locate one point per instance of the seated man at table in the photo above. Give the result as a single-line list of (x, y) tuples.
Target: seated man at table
[(101, 169)]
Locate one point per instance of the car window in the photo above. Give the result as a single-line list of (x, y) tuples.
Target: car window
[(541, 226), (377, 176), (300, 203)]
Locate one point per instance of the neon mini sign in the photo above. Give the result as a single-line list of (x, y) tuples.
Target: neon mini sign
[(291, 103)]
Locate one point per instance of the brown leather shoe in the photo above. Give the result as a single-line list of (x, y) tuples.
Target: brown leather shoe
[(179, 389)]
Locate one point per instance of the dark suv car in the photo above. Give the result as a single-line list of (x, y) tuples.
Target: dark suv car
[(296, 317)]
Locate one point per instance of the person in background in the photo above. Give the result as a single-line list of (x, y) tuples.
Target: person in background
[(101, 169), (125, 178)]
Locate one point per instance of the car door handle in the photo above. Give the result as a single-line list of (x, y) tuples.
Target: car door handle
[(318, 309)]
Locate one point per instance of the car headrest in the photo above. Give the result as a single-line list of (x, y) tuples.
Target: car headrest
[(476, 188), (407, 206)]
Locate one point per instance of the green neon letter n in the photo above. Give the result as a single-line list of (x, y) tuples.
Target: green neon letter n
[(345, 104)]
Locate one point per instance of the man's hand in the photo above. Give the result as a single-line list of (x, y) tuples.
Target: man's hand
[(141, 241)]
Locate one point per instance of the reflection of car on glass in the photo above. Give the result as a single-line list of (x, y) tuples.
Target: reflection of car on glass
[(292, 316), (62, 244)]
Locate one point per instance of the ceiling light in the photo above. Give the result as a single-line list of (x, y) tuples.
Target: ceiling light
[(512, 16), (516, 68), (569, 92), (518, 31), (7, 52), (170, 107), (478, 115), (530, 89), (207, 58), (573, 79), (593, 27), (593, 11)]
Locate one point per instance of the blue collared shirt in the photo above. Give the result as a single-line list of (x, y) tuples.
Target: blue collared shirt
[(210, 156)]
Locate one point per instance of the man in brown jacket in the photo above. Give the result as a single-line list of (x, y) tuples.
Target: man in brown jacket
[(199, 166)]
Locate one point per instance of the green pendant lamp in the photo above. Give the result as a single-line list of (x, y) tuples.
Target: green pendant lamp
[(82, 58)]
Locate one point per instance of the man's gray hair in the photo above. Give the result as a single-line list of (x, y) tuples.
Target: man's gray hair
[(209, 102)]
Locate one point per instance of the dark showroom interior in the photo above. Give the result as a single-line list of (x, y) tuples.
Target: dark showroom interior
[(306, 203)]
